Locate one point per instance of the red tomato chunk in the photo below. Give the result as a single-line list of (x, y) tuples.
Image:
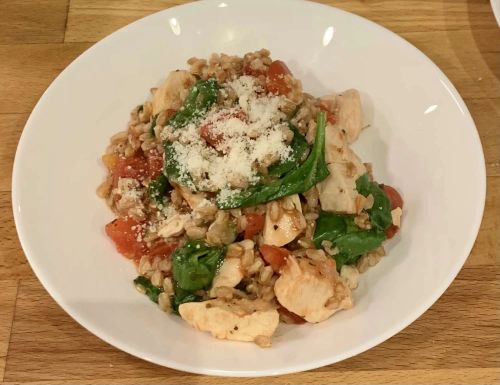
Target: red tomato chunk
[(274, 256), (135, 166), (126, 233), (396, 201), (255, 223), (163, 249), (276, 81)]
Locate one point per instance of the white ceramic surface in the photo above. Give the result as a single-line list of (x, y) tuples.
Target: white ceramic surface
[(421, 140), (495, 5)]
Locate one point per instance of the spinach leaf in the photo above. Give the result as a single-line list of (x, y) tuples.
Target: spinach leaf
[(151, 291), (157, 189), (172, 170), (354, 244), (351, 241), (194, 265), (329, 227), (182, 296), (380, 213), (299, 180), (200, 98), (300, 147)]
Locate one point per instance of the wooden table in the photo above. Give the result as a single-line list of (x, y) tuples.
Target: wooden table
[(456, 341)]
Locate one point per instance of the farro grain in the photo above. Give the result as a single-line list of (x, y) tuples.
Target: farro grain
[(164, 302)]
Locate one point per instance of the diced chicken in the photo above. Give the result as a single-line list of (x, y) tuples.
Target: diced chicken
[(284, 221), (396, 216), (229, 275), (338, 192), (236, 319), (337, 149), (311, 288), (171, 94), (350, 274), (129, 198), (222, 231), (173, 226), (349, 116), (192, 199)]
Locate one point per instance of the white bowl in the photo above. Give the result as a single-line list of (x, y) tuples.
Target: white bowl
[(421, 139), (495, 6)]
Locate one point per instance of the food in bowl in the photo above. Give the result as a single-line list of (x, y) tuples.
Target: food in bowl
[(240, 201)]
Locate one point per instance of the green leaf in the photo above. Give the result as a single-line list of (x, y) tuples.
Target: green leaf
[(329, 227), (200, 98), (181, 297), (157, 189), (380, 213), (363, 184), (151, 291), (300, 148), (354, 244), (299, 180), (351, 240), (194, 265), (172, 169)]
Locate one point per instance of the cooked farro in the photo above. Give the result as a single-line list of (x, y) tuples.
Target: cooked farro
[(238, 197)]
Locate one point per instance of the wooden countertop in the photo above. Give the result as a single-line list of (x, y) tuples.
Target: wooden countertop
[(456, 341)]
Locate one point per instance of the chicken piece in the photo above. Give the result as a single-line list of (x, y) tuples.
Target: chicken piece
[(173, 226), (337, 193), (193, 199), (336, 147), (396, 216), (229, 275), (171, 94), (284, 221), (222, 231), (349, 117), (311, 288), (236, 319), (128, 195)]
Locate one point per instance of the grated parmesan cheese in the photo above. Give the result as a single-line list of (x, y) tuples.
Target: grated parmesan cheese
[(250, 135), (130, 195)]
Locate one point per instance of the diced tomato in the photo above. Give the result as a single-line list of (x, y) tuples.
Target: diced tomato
[(247, 70), (135, 166), (255, 223), (209, 136), (276, 81), (126, 234), (274, 256), (163, 249), (289, 316), (278, 68), (213, 139), (393, 195), (396, 201), (155, 163), (391, 231)]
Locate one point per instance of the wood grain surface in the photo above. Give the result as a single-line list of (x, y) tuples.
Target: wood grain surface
[(457, 341)]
